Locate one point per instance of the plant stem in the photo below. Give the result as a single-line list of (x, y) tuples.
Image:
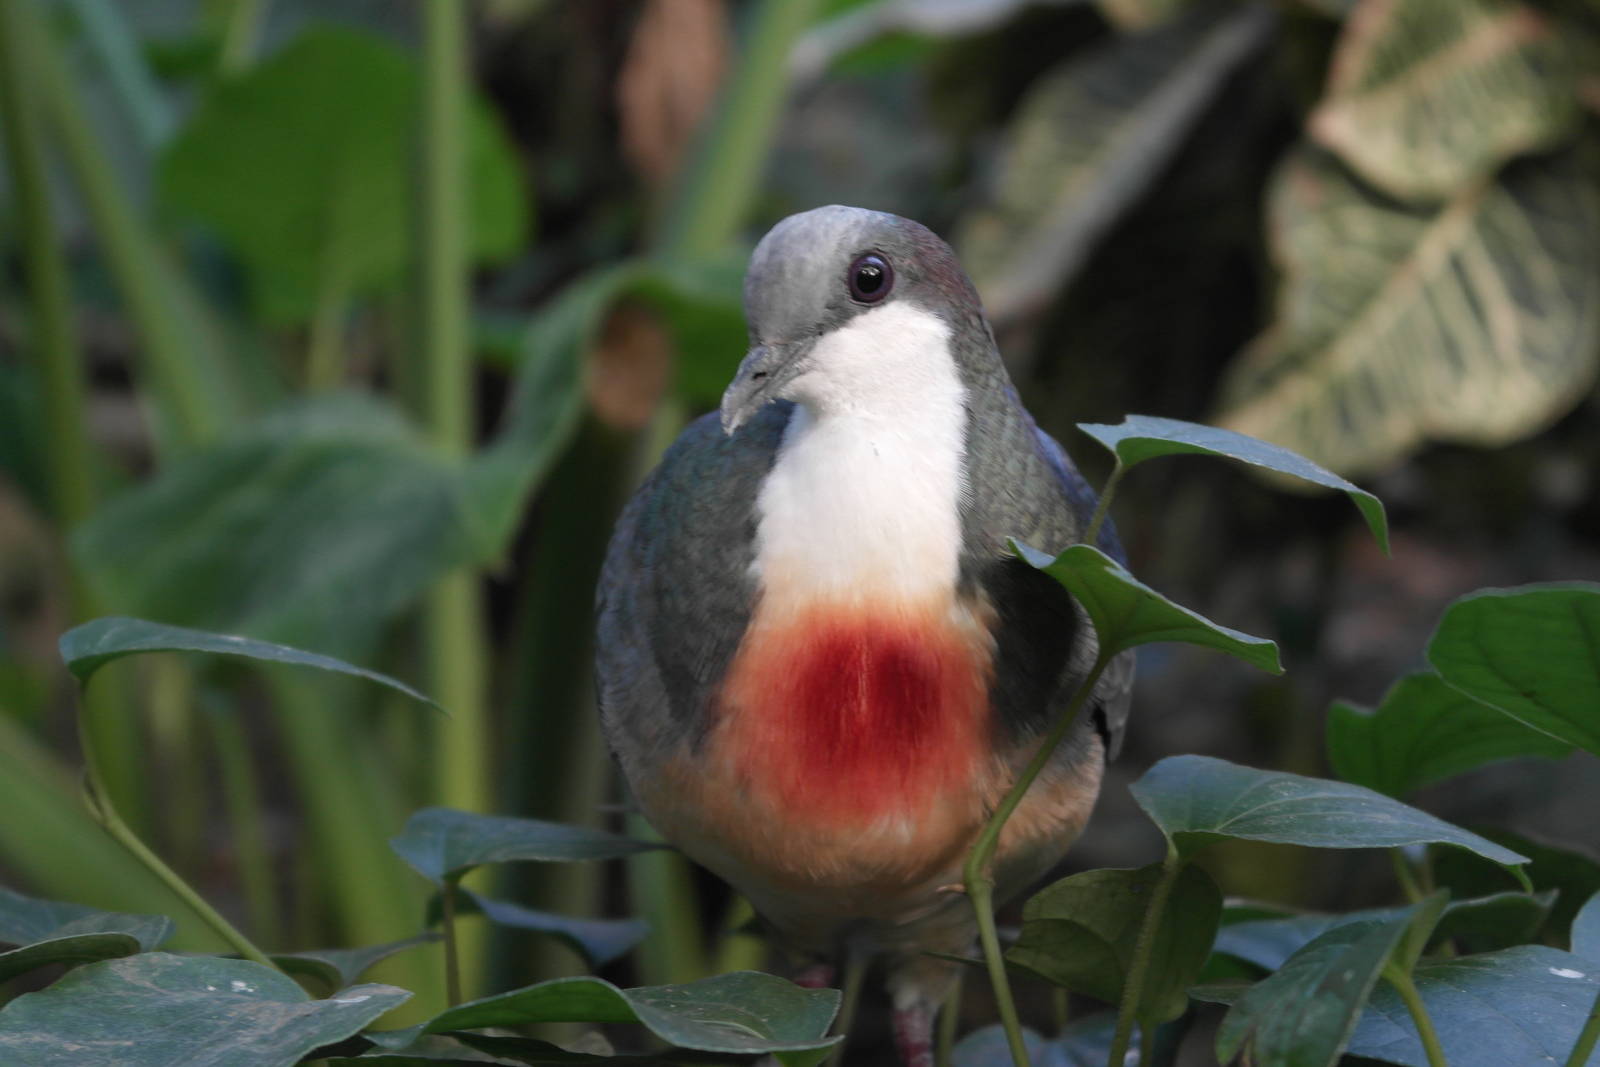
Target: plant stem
[(949, 1024), (977, 875), (1139, 966), (1404, 875), (1102, 507), (241, 793), (662, 894), (118, 51), (241, 31), (855, 971), (452, 964), (1419, 1013), (104, 810), (1587, 1039)]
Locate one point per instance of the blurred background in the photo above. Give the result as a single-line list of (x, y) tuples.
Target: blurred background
[(350, 325)]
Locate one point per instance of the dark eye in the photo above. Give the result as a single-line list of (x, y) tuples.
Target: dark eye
[(871, 278)]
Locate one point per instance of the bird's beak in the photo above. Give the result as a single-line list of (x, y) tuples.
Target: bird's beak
[(763, 373)]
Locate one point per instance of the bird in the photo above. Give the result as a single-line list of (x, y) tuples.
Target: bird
[(820, 665)]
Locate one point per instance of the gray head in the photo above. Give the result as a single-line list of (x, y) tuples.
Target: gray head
[(817, 272)]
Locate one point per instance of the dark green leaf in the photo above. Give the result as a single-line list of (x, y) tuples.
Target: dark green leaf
[(1573, 873), (1141, 437), (599, 941), (441, 843), (1198, 799), (1127, 613), (745, 1012), (1586, 930), (87, 648), (1303, 1015), (303, 166), (49, 931), (339, 967), (1532, 652), (312, 527), (156, 1010), (1425, 732), (1082, 1043), (498, 1048), (1080, 932), (1521, 1005)]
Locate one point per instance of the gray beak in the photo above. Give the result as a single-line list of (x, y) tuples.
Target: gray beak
[(763, 373)]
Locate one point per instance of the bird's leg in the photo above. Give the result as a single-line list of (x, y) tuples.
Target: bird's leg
[(913, 1033)]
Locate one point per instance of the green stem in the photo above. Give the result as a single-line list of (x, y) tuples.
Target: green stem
[(241, 33), (1587, 1039), (977, 874), (662, 894), (104, 810), (325, 350), (1419, 1013), (949, 1024), (1405, 876), (1143, 948), (713, 195), (855, 973), (1103, 506), (135, 89), (452, 962), (739, 950), (241, 794)]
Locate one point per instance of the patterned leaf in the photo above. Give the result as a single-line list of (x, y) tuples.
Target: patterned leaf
[(1476, 322), (1426, 95)]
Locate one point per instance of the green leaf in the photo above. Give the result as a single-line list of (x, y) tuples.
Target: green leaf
[(336, 968), (1303, 1015), (1081, 1043), (1080, 932), (49, 931), (1198, 799), (469, 1048), (1422, 733), (1520, 1005), (1141, 437), (1532, 652), (311, 527), (303, 166), (1086, 142), (1586, 930), (441, 844), (1574, 874), (1474, 321), (1127, 613), (745, 1012), (87, 648), (1431, 94), (599, 941), (156, 1010)]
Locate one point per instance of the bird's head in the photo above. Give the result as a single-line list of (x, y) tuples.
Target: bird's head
[(835, 298)]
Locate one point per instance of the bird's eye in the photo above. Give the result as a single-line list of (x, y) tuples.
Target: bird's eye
[(871, 278)]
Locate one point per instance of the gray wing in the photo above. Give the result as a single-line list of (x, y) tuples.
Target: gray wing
[(675, 593)]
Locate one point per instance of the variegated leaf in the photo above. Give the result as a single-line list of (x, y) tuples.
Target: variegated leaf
[(1426, 95), (1475, 322)]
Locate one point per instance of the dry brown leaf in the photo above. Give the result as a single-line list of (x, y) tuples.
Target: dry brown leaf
[(669, 80)]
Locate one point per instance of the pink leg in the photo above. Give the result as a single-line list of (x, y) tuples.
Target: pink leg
[(913, 1035), (815, 976)]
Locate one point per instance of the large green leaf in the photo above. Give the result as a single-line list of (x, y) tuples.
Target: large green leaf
[(310, 527), (1425, 732), (1303, 1015), (598, 941), (1586, 930), (87, 648), (1573, 873), (1086, 142), (1531, 652), (158, 1010), (1127, 613), (1198, 799), (303, 165), (1521, 1005), (49, 931), (336, 968), (744, 1012), (1080, 933), (1426, 95), (1476, 321), (443, 844), (1140, 437)]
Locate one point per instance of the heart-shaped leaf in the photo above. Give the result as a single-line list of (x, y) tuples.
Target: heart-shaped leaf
[(1127, 613), (1424, 732), (1141, 437), (1532, 652), (1524, 1004), (599, 941), (1303, 1015), (745, 1012), (1080, 933), (1198, 799), (156, 1009), (442, 844), (48, 931), (87, 648)]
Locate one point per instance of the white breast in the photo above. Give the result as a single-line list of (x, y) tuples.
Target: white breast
[(863, 498)]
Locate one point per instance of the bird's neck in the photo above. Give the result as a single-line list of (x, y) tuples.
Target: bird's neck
[(863, 501)]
